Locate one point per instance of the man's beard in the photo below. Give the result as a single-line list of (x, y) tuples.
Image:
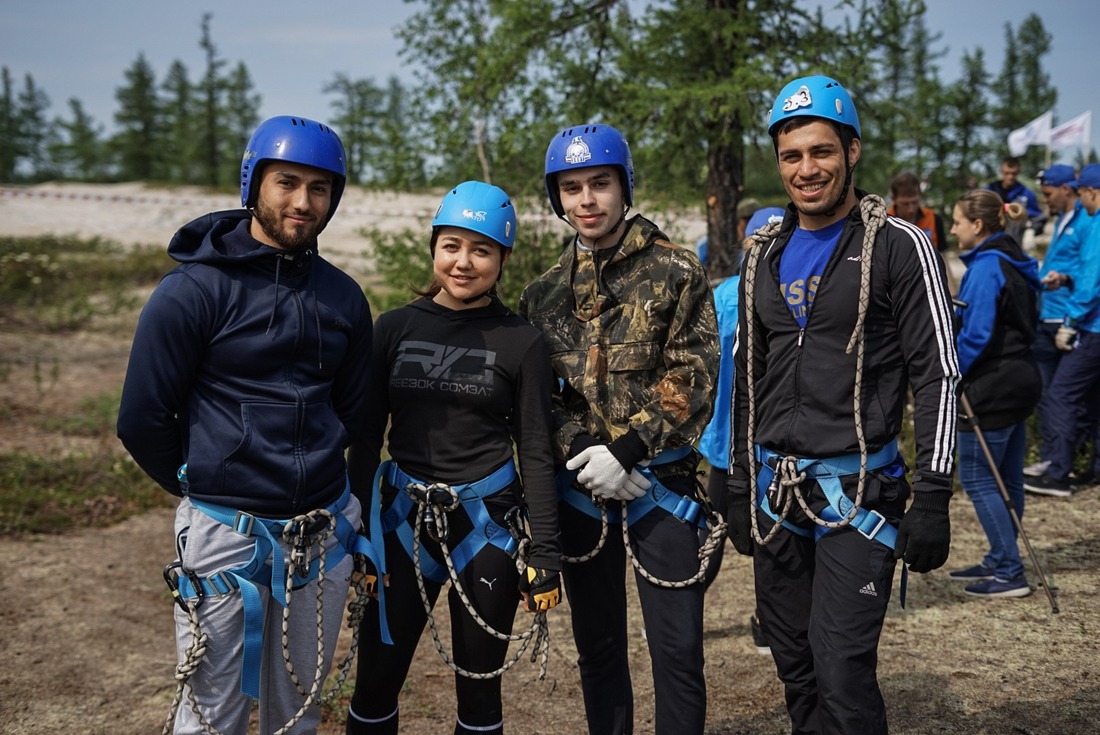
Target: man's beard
[(294, 240)]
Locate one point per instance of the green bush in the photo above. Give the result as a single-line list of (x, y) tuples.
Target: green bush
[(60, 283), (40, 494)]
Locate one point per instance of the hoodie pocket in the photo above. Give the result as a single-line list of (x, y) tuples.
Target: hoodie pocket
[(267, 453)]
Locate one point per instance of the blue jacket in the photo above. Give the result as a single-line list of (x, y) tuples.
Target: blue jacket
[(1063, 256), (1083, 305), (1020, 194), (996, 330), (250, 367), (715, 442)]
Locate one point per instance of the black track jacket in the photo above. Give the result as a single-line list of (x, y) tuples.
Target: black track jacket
[(804, 379)]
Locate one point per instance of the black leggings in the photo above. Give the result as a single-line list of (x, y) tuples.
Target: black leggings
[(490, 581)]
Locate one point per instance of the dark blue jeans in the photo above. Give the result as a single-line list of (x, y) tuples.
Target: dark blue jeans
[(1072, 396), (1007, 446)]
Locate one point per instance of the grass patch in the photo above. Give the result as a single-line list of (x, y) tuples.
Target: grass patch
[(41, 495), (60, 283), (95, 416)]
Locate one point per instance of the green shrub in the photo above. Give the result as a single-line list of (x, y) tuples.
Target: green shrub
[(39, 494), (60, 283)]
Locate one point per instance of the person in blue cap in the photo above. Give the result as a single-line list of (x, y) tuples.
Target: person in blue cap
[(1061, 264), (842, 309), (461, 390), (246, 383), (1076, 381)]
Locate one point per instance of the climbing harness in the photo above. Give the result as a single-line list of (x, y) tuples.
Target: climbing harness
[(784, 486), (433, 502), (685, 509), (283, 575)]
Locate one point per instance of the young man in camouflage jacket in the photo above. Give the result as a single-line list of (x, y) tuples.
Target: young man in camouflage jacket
[(631, 326)]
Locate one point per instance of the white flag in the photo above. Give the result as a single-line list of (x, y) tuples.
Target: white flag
[(1075, 132), (1036, 132)]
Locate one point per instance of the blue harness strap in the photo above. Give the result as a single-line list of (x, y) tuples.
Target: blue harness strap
[(257, 572), (683, 508), (827, 472), (471, 497)]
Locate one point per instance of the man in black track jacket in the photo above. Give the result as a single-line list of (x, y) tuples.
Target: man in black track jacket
[(843, 309)]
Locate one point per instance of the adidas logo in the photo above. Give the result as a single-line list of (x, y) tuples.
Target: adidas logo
[(868, 589), (855, 258)]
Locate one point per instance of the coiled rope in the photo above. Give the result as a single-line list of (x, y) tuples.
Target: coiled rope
[(872, 211), (539, 632), (301, 543)]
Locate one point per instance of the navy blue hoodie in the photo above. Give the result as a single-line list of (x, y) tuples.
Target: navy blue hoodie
[(250, 366)]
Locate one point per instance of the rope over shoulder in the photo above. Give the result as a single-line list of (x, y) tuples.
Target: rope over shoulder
[(873, 214)]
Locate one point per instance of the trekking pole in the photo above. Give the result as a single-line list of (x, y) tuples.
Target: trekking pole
[(1008, 501)]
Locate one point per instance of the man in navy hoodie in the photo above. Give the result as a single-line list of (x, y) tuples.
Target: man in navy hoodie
[(245, 385)]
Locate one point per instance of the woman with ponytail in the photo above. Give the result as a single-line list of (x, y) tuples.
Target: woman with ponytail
[(996, 316)]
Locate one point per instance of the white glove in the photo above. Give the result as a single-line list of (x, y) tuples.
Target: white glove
[(634, 487), (601, 473), (1065, 338)]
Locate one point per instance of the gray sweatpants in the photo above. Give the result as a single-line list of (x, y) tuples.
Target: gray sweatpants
[(212, 546)]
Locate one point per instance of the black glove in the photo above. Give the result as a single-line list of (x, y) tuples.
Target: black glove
[(541, 589), (739, 520), (924, 536)]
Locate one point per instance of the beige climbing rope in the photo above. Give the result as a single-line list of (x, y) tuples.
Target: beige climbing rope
[(539, 632), (788, 478), (301, 558)]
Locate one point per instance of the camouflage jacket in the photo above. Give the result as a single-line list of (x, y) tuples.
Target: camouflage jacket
[(634, 339)]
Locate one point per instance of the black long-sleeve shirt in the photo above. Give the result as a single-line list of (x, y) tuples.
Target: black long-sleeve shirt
[(457, 389)]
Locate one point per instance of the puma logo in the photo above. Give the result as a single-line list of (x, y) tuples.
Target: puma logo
[(488, 583)]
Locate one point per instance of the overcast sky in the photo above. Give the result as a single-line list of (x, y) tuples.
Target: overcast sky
[(80, 48)]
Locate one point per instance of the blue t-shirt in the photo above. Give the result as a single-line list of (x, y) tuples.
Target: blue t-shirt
[(801, 265)]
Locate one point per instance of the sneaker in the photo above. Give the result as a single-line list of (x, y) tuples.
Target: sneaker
[(1081, 481), (996, 587), (975, 573), (1036, 470), (758, 639), (1046, 485)]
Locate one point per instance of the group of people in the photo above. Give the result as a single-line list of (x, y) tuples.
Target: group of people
[(1024, 348), (500, 451)]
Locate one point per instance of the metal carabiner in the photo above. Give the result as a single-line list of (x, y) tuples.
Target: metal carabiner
[(171, 578)]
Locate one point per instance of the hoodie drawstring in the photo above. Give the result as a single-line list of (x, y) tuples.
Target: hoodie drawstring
[(316, 313), (275, 301)]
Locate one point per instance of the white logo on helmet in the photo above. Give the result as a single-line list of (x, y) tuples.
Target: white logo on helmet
[(475, 216), (577, 152), (801, 98)]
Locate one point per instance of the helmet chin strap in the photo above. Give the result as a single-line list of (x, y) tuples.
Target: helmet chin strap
[(488, 291), (596, 242), (844, 189)]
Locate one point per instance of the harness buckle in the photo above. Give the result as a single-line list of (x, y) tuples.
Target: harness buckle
[(219, 582), (243, 523), (870, 535)]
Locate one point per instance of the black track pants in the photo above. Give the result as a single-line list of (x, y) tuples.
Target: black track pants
[(824, 604), (673, 620), (490, 581)]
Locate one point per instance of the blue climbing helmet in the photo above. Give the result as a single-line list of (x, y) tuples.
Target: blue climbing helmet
[(295, 140), (583, 146), (478, 207), (814, 96)]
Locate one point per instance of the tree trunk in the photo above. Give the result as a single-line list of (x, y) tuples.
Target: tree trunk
[(725, 171)]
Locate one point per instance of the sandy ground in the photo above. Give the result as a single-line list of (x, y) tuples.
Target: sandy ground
[(85, 619)]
